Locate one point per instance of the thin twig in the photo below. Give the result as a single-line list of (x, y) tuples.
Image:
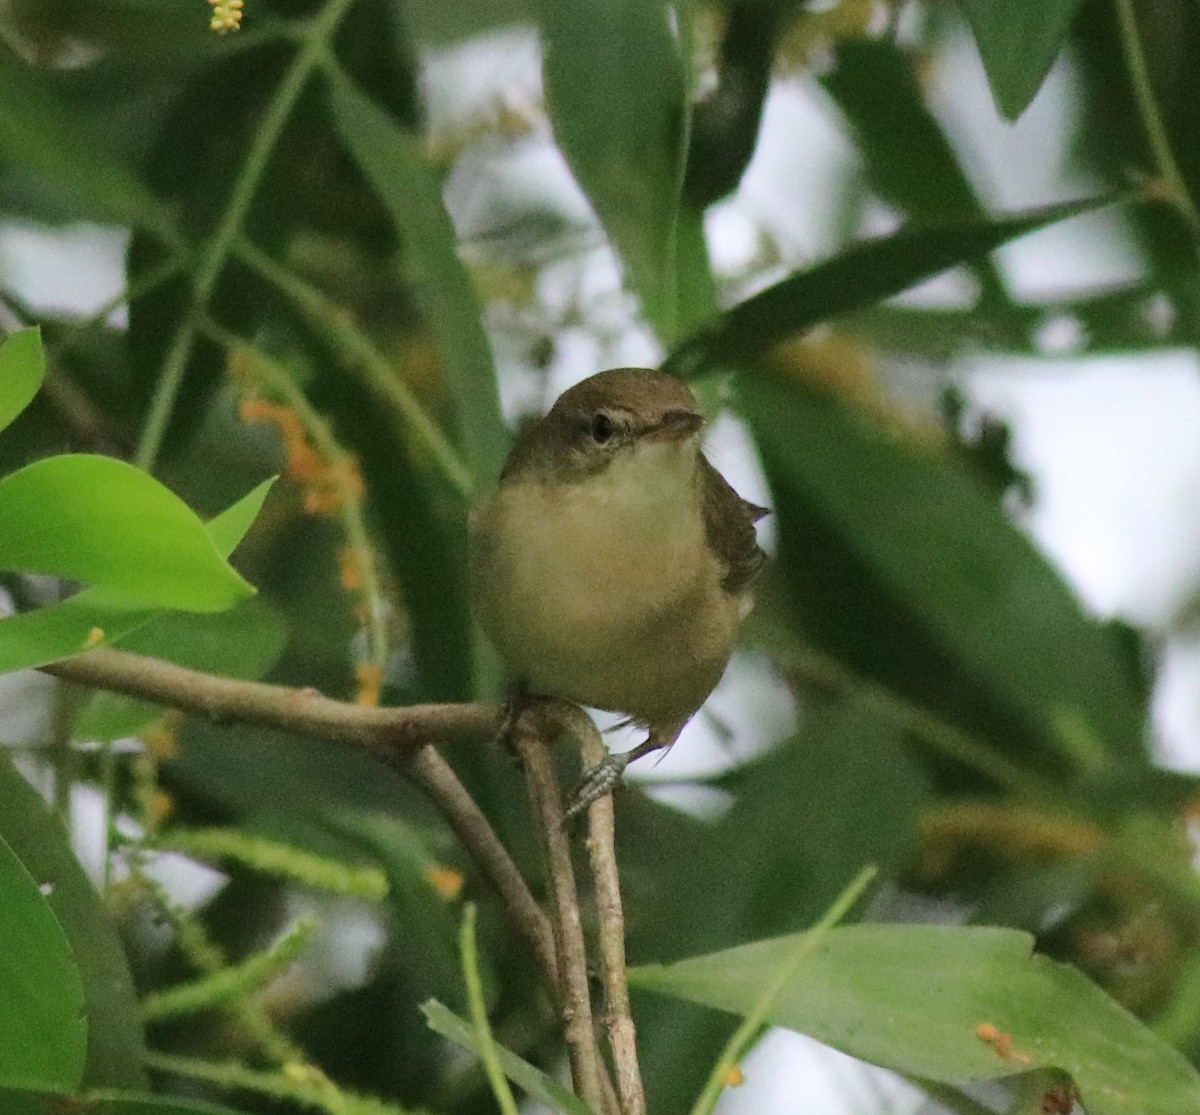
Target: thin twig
[(538, 726), (485, 1043), (216, 253), (363, 358), (1152, 121), (755, 1021), (269, 374), (385, 732), (400, 737), (618, 1019)]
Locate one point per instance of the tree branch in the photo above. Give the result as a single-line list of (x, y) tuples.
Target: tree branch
[(400, 737), (601, 844), (386, 733), (534, 730)]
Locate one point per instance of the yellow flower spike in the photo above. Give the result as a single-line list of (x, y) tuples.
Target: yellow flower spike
[(226, 15), (370, 682), (160, 738), (445, 880), (733, 1077), (159, 809)]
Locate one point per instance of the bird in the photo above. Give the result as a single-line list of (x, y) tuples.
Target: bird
[(612, 564)]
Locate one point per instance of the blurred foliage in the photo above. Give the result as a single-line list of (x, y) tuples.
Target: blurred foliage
[(332, 273)]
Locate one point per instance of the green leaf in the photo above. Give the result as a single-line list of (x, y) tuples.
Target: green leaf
[(114, 1034), (902, 568), (228, 528), (91, 618), (843, 761), (22, 367), (912, 998), (532, 1081), (1018, 42), (614, 88), (104, 522), (842, 764), (391, 160), (859, 277), (241, 643), (40, 132), (27, 1102), (43, 1036), (103, 616), (907, 157)]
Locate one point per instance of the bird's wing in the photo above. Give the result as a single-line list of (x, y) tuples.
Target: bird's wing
[(729, 526)]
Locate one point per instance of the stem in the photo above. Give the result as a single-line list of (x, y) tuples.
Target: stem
[(313, 47), (63, 710), (232, 984), (275, 377), (1152, 121), (390, 734), (622, 1035), (485, 1044), (365, 361), (757, 1017), (533, 733), (148, 282), (304, 1084), (192, 939)]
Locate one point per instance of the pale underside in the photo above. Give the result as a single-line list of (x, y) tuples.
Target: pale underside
[(604, 591)]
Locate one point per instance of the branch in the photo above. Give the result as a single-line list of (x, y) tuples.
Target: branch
[(387, 733), (534, 731), (601, 844), (400, 737)]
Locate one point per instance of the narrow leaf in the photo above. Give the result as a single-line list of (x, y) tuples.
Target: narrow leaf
[(229, 527), (1018, 42), (22, 367), (888, 545), (391, 160), (43, 1037), (532, 1081), (104, 522), (614, 88), (983, 1005), (859, 277)]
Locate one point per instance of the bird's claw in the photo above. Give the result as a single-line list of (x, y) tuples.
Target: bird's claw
[(596, 782)]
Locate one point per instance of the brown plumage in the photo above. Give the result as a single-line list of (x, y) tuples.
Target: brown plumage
[(613, 563)]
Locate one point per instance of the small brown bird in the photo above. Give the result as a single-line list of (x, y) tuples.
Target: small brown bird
[(613, 564)]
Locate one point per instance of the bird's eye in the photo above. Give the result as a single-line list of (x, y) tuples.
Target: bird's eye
[(603, 428)]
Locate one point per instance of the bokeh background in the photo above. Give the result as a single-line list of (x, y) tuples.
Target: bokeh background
[(1051, 386)]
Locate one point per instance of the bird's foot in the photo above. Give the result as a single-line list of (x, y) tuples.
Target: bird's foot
[(517, 698), (596, 782), (604, 776)]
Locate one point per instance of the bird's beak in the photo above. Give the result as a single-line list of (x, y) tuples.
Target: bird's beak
[(677, 425)]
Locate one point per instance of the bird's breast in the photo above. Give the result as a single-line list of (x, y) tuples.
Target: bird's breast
[(604, 590)]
